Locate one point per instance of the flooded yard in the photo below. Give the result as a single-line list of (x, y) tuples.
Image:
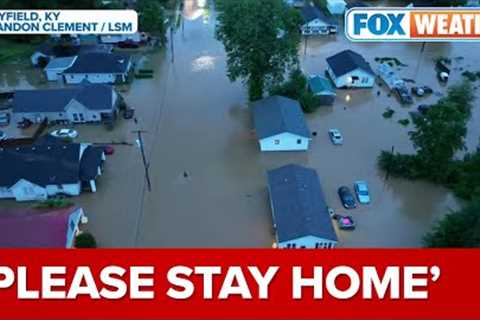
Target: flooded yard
[(208, 175)]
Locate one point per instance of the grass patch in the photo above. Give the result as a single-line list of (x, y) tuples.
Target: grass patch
[(388, 113), (12, 51), (404, 122)]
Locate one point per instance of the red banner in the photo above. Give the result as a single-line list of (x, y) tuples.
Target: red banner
[(287, 284)]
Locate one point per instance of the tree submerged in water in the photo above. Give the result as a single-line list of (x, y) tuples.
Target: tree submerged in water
[(261, 40)]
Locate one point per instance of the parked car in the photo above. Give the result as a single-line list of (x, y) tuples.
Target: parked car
[(422, 91), (443, 72), (345, 222), (3, 136), (362, 192), (109, 150), (128, 44), (64, 133), (128, 113), (404, 95), (335, 136), (25, 123), (4, 119), (346, 197)]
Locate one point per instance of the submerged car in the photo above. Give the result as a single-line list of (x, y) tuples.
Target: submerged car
[(64, 133), (335, 136), (404, 95), (422, 91), (362, 192), (346, 197), (345, 222)]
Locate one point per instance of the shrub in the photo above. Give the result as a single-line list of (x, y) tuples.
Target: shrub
[(53, 203), (404, 122), (388, 113), (85, 240)]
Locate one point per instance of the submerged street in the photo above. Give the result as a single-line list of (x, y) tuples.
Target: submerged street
[(208, 175)]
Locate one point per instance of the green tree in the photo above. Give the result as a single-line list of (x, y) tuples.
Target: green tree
[(467, 174), (457, 229), (261, 40), (85, 240), (152, 18)]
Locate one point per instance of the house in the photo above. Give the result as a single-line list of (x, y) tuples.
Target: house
[(280, 124), (39, 228), (349, 69), (87, 103), (316, 22), (322, 89), (355, 4), (299, 211), (50, 50), (55, 68), (98, 67), (336, 6), (40, 171)]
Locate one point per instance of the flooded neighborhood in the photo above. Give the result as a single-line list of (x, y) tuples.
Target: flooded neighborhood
[(208, 178)]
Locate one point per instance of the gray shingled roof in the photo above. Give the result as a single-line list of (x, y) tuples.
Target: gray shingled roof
[(275, 115), (92, 96), (60, 63), (99, 62), (299, 207), (347, 61), (310, 12)]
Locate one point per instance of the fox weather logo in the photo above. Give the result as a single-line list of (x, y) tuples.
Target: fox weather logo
[(412, 24)]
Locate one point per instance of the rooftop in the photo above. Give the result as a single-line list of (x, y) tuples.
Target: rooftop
[(100, 62), (299, 206), (347, 61), (275, 115)]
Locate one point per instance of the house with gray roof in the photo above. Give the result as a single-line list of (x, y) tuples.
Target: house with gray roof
[(87, 103), (315, 22), (322, 89), (280, 124), (299, 211), (98, 67), (348, 69), (39, 171)]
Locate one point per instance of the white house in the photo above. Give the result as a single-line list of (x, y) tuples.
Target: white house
[(39, 228), (87, 103), (299, 212), (316, 22), (349, 69), (280, 124), (38, 172), (97, 67), (55, 68), (336, 6)]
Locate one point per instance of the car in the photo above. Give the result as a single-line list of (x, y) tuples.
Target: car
[(346, 197), (422, 91), (64, 133), (335, 136), (345, 222), (109, 150), (3, 136), (362, 192), (404, 95)]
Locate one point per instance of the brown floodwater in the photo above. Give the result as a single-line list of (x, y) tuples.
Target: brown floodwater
[(197, 122)]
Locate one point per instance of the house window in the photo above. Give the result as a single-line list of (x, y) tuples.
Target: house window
[(75, 117), (289, 245), (294, 245), (299, 141), (276, 141), (81, 117), (94, 116), (316, 245), (303, 247)]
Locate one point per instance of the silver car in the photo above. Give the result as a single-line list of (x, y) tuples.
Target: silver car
[(335, 136), (362, 192)]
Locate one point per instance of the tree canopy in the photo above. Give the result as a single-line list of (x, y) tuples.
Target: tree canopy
[(457, 229), (261, 40)]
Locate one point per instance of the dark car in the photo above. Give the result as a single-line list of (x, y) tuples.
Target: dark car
[(128, 44), (347, 198), (404, 95), (422, 91)]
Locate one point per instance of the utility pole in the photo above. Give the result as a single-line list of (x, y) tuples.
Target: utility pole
[(144, 158), (171, 44), (305, 45)]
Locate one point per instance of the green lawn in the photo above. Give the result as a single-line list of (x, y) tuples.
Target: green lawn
[(11, 51)]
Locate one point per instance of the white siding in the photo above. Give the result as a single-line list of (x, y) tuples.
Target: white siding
[(308, 242), (317, 27), (69, 189), (26, 191), (354, 79), (284, 142), (76, 78)]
